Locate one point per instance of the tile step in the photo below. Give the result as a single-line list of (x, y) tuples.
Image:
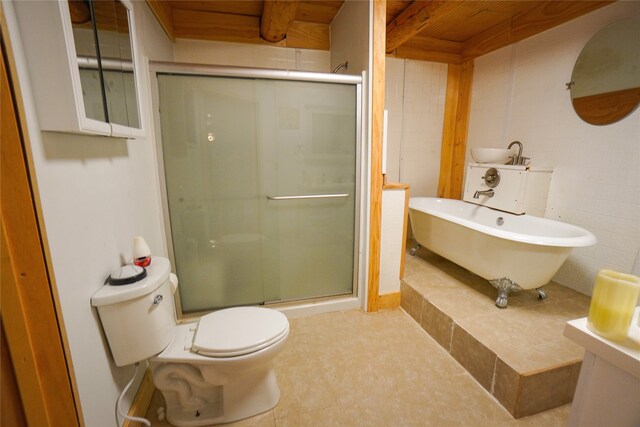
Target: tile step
[(520, 393)]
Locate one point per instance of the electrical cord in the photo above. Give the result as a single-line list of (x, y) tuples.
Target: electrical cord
[(119, 411)]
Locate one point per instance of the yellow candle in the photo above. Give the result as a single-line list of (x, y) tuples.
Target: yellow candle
[(612, 304)]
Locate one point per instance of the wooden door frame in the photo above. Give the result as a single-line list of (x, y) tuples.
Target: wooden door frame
[(34, 330)]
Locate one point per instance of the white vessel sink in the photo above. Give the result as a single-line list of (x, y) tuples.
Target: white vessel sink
[(491, 155)]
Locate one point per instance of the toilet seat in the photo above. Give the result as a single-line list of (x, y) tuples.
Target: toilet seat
[(238, 331)]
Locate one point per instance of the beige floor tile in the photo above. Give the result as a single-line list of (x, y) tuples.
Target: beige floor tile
[(545, 390), (411, 301), (424, 355), (500, 335), (465, 304), (365, 413), (458, 402), (556, 292), (542, 320), (437, 324), (556, 417), (427, 282), (376, 369), (526, 336), (506, 385), (476, 358), (545, 320), (543, 356), (425, 265), (266, 419), (523, 298), (454, 274), (380, 375), (304, 387)]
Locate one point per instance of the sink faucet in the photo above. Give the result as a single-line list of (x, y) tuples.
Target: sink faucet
[(489, 193), (516, 160)]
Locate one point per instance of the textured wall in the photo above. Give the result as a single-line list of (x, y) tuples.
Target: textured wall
[(96, 194), (250, 55), (519, 94), (415, 95)]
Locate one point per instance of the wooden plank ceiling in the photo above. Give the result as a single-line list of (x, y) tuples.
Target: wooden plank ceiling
[(448, 31)]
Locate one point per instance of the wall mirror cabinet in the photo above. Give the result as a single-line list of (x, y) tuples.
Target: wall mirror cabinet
[(605, 83), (83, 65)]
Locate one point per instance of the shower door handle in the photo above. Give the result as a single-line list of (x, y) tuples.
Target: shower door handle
[(310, 196)]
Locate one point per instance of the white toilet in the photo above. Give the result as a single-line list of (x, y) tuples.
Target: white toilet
[(216, 370)]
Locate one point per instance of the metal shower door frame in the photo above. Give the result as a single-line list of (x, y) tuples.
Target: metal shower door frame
[(171, 68)]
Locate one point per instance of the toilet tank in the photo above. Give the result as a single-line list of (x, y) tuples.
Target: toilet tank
[(138, 319)]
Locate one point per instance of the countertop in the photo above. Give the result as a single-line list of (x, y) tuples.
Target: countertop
[(624, 355)]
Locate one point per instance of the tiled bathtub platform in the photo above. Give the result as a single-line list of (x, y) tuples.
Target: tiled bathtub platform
[(517, 354)]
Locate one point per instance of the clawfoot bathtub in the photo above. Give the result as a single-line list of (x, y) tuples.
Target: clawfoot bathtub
[(512, 252)]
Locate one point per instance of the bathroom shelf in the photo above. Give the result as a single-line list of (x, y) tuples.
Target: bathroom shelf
[(625, 356), (607, 390)]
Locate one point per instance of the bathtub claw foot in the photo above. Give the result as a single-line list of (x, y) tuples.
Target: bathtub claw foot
[(501, 301), (542, 295), (504, 286), (413, 250)]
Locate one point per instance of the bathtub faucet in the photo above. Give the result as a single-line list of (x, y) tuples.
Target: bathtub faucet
[(489, 193)]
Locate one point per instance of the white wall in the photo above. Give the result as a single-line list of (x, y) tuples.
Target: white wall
[(391, 244), (519, 94), (96, 194), (351, 40), (415, 98), (250, 55), (350, 37)]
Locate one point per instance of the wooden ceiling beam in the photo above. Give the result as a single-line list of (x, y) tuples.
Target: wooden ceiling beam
[(430, 49), (545, 15), (410, 22), (79, 11), (233, 7), (308, 35), (277, 17), (163, 12), (199, 25), (321, 12)]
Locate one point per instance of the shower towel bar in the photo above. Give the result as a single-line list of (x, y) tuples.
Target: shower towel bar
[(310, 196)]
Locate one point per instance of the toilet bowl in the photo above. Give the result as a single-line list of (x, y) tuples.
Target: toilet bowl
[(216, 370), (219, 369)]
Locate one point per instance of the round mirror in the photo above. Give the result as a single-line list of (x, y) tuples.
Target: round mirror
[(605, 83)]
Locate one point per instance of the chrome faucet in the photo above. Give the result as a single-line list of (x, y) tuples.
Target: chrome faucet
[(489, 193), (517, 159)]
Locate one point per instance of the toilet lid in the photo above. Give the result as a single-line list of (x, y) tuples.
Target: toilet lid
[(239, 330)]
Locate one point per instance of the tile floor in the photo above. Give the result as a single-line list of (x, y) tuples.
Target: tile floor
[(376, 369), (518, 354)]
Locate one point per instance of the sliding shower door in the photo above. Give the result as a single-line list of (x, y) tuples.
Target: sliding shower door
[(261, 188)]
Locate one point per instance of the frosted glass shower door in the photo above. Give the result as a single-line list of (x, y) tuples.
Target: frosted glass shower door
[(260, 183), (307, 142)]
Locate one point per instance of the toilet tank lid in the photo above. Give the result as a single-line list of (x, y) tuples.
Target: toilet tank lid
[(157, 273)]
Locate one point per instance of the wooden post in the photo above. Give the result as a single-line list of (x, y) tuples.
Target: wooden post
[(454, 134), (277, 16), (377, 114)]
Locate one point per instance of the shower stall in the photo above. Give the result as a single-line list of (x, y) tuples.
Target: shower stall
[(260, 175)]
